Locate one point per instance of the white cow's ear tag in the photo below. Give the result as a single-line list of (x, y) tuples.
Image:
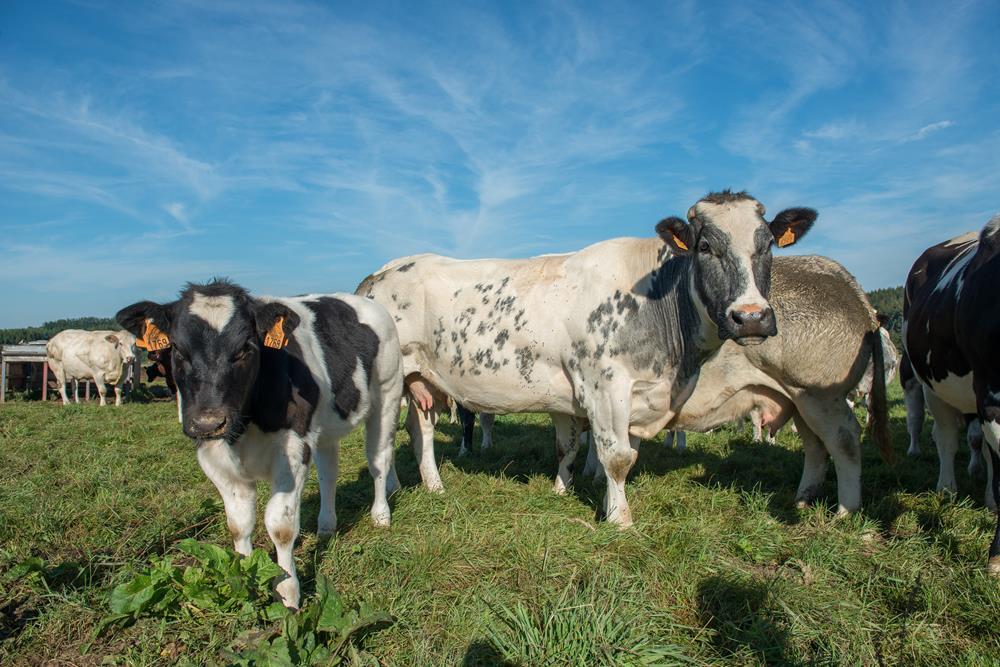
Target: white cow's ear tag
[(153, 338), (275, 337)]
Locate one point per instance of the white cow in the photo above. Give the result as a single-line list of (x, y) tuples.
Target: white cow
[(615, 332), (103, 356)]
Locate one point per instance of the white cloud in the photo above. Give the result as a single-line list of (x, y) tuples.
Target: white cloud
[(928, 130)]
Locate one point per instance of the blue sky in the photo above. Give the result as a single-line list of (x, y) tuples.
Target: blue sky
[(297, 146)]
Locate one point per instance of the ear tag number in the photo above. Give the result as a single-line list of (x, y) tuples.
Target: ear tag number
[(153, 338), (275, 337)]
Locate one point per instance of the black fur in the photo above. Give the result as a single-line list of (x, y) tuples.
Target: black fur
[(344, 340)]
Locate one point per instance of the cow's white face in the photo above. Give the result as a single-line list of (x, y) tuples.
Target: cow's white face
[(730, 243), (124, 343)]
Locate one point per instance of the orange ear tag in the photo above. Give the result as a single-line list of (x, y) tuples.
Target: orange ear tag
[(677, 241), (275, 337), (787, 238), (152, 338)]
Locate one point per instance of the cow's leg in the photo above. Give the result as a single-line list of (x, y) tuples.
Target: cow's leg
[(833, 421), (913, 397), (990, 419), (380, 438), (974, 439), (593, 466), (680, 440), (118, 395), (327, 467), (486, 421), (947, 427), (76, 390), (468, 420), (239, 495), (814, 467), (102, 388), (616, 449), (289, 470), (60, 374), (567, 444), (420, 426), (989, 499), (180, 414)]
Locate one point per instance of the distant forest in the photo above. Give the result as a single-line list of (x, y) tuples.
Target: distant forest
[(889, 301), (50, 329)]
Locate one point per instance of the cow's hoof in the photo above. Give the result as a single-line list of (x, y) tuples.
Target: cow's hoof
[(463, 452), (435, 486), (993, 566), (843, 511), (381, 519), (976, 469), (802, 503), (913, 452)]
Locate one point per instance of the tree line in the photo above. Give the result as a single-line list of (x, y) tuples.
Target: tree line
[(50, 329)]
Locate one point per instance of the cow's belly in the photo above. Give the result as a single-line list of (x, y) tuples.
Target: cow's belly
[(505, 391), (956, 391)]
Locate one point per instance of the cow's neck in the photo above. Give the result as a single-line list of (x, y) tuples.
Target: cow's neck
[(267, 406), (672, 333)]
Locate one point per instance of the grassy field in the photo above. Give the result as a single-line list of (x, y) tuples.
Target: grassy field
[(719, 568)]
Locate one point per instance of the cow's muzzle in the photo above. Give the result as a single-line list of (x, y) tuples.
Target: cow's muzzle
[(751, 325), (207, 424)]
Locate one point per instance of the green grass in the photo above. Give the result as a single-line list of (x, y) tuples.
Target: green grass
[(719, 568)]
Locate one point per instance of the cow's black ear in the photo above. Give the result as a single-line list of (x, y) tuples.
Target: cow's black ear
[(133, 318), (275, 322), (676, 233), (791, 225)]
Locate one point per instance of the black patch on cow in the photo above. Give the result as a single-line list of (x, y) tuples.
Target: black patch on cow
[(406, 267), (286, 393), (501, 339), (344, 340), (525, 362)]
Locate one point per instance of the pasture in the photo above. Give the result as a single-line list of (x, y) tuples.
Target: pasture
[(719, 568)]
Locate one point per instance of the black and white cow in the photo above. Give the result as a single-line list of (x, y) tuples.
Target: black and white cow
[(615, 332), (951, 332), (268, 384)]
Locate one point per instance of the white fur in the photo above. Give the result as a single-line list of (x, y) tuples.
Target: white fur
[(215, 310)]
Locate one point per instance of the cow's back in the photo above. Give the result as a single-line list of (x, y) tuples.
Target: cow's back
[(81, 353), (823, 318)]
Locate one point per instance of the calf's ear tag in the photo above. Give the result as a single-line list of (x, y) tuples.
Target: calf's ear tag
[(787, 238), (677, 241), (275, 337), (153, 338)]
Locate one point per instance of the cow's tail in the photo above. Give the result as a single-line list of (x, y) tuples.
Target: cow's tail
[(878, 407)]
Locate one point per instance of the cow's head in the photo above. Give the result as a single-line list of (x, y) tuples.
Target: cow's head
[(124, 343), (729, 243), (215, 334)]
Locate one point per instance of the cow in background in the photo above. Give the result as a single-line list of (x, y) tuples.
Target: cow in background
[(103, 356), (951, 329), (162, 367)]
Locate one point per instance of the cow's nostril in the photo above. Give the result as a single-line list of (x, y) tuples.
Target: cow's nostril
[(208, 424)]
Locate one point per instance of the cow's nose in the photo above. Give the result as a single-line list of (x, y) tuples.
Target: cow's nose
[(207, 423), (753, 321)]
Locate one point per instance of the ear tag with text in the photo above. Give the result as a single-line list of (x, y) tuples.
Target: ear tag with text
[(677, 241), (787, 238), (152, 338), (275, 337)]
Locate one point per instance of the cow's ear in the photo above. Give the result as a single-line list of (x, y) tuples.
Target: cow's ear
[(275, 323), (791, 225), (883, 320), (676, 233), (134, 318), (111, 338)]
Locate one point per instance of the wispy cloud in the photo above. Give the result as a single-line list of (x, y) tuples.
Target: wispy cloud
[(927, 130)]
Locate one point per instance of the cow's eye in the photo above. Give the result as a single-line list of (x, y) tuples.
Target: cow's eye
[(703, 246)]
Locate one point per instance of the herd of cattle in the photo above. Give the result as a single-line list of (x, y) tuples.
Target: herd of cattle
[(686, 331)]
